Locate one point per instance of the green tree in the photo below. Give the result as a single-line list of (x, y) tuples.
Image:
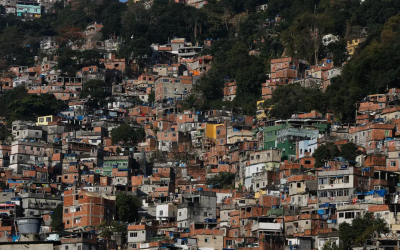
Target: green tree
[(94, 89), (17, 93), (293, 98), (89, 57), (127, 134), (222, 180), (325, 153), (32, 106), (349, 151), (303, 39), (108, 229), (127, 207), (152, 97), (190, 101), (3, 185), (329, 245), (361, 229), (57, 223), (111, 19)]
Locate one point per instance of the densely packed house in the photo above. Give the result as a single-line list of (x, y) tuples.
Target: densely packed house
[(207, 180)]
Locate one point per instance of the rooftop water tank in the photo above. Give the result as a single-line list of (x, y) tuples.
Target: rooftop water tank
[(29, 225)]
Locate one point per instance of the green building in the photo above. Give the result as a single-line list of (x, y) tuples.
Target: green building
[(287, 139), (120, 162), (270, 135)]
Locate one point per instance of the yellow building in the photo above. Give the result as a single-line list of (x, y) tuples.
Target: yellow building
[(45, 120), (352, 45), (260, 114), (257, 194), (211, 130)]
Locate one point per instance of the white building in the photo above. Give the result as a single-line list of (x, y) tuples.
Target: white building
[(166, 211)]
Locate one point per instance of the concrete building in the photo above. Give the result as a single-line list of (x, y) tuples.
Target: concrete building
[(197, 207)]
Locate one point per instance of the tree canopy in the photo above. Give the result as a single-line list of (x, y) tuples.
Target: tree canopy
[(127, 207), (222, 180), (127, 135), (291, 99), (236, 29), (360, 230), (94, 89), (19, 105), (330, 150), (57, 223), (109, 229), (32, 106)]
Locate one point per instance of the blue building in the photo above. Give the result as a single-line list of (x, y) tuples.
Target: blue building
[(28, 10)]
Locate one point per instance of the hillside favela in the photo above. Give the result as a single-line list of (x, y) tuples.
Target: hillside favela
[(199, 125)]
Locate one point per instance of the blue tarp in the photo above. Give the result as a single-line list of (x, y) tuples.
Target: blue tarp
[(321, 211), (381, 192), (324, 205)]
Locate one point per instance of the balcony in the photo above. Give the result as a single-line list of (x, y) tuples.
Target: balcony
[(266, 226)]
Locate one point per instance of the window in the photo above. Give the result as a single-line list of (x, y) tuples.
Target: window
[(346, 179), (349, 215), (307, 162), (340, 193), (205, 214), (393, 163), (332, 193), (299, 184), (323, 194), (345, 192), (322, 181), (207, 239), (66, 247), (79, 247), (341, 215), (134, 245), (134, 235), (228, 242)]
